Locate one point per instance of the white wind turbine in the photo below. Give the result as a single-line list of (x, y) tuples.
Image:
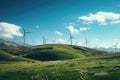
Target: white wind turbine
[(86, 42), (115, 47), (24, 35), (44, 39), (71, 39)]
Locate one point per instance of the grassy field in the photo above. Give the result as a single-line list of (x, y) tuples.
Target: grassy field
[(96, 67)]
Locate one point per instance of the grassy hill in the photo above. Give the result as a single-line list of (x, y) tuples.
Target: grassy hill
[(75, 69), (86, 63), (4, 56), (60, 52)]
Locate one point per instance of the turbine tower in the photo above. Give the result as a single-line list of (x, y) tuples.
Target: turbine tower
[(115, 46), (53, 41), (24, 36), (96, 46), (86, 42), (44, 40), (111, 49), (71, 37)]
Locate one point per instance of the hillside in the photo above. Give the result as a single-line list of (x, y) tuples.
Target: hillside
[(4, 56), (60, 52), (72, 63), (75, 69)]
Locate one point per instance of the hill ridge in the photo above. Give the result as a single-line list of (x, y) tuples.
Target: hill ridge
[(60, 52)]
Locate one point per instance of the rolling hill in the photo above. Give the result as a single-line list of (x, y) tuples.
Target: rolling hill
[(71, 63), (4, 56), (60, 52), (91, 68)]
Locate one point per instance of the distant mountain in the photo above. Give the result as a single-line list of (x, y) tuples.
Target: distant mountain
[(111, 50), (5, 43)]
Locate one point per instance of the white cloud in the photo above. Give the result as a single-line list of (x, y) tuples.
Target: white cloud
[(72, 29), (37, 26), (59, 33), (8, 30), (101, 18), (115, 22), (61, 41), (84, 28)]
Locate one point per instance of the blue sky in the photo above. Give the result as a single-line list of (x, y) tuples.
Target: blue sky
[(96, 20)]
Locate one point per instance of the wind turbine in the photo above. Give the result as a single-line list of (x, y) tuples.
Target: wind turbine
[(111, 49), (115, 46), (86, 42), (44, 39), (33, 42), (96, 46), (24, 36), (53, 41), (71, 37)]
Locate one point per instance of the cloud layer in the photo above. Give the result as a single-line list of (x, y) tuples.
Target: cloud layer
[(8, 30), (72, 29), (101, 17), (59, 33), (76, 31), (61, 41), (84, 28)]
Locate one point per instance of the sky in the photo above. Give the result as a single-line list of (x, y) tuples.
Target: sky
[(96, 20)]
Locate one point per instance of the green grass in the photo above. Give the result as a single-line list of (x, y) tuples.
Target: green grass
[(74, 69), (4, 56), (86, 64), (60, 52)]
